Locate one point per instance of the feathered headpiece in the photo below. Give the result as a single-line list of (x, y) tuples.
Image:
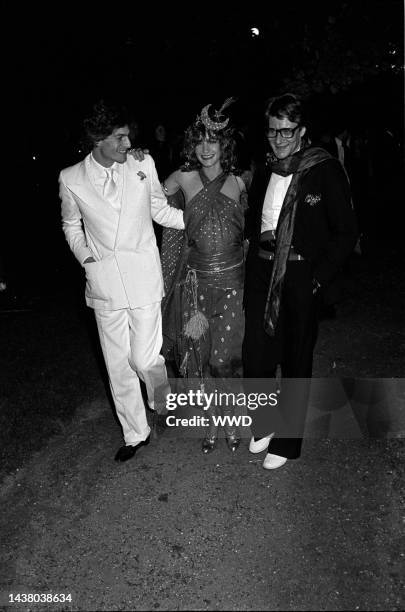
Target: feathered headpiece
[(215, 120)]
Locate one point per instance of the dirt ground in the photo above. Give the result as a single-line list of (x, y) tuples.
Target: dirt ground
[(173, 529)]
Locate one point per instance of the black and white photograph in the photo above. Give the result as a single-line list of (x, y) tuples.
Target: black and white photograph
[(202, 307)]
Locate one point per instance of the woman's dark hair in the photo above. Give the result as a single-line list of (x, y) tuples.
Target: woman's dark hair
[(226, 138), (102, 122), (288, 106)]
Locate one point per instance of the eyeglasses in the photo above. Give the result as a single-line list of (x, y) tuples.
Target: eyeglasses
[(284, 132)]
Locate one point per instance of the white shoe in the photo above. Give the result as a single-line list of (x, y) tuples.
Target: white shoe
[(260, 445), (272, 462)]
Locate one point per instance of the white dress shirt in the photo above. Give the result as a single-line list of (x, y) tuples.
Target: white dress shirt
[(99, 176), (273, 200)]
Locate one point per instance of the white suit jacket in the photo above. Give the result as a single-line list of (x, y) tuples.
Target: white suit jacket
[(126, 272)]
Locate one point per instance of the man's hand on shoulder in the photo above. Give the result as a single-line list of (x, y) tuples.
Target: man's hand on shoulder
[(138, 154)]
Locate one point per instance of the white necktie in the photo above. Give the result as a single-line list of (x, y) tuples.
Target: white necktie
[(110, 190)]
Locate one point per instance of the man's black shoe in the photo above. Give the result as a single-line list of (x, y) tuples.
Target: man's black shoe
[(127, 452)]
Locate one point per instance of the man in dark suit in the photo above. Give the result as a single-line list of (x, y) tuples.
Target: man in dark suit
[(302, 230)]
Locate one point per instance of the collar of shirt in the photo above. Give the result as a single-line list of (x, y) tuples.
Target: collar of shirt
[(99, 172)]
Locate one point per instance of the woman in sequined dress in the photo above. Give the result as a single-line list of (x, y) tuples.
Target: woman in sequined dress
[(203, 267)]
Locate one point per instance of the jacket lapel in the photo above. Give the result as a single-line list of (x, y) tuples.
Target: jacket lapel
[(135, 202), (124, 201), (83, 186)]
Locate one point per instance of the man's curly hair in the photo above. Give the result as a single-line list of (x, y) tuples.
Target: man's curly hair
[(102, 122), (226, 138)]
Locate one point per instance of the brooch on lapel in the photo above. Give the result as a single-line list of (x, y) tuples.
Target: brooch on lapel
[(312, 199), (141, 175)]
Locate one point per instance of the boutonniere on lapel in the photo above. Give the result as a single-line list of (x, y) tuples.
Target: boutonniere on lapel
[(312, 199), (141, 175)]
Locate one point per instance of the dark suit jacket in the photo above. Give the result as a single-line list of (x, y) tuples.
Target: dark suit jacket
[(325, 230)]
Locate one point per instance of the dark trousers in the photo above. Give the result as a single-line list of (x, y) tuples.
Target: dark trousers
[(291, 347)]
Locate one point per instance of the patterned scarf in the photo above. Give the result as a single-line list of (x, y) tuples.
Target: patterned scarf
[(296, 165)]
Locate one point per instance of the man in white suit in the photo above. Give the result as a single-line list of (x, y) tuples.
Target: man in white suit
[(108, 202)]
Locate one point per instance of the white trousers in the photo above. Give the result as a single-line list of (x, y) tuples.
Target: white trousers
[(131, 340)]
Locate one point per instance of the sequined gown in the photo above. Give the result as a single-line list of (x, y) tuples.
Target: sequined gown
[(212, 249)]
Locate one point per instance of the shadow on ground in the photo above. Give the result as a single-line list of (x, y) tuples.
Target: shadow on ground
[(173, 529), (176, 530)]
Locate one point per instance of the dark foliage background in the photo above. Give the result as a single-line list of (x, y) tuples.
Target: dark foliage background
[(164, 62)]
